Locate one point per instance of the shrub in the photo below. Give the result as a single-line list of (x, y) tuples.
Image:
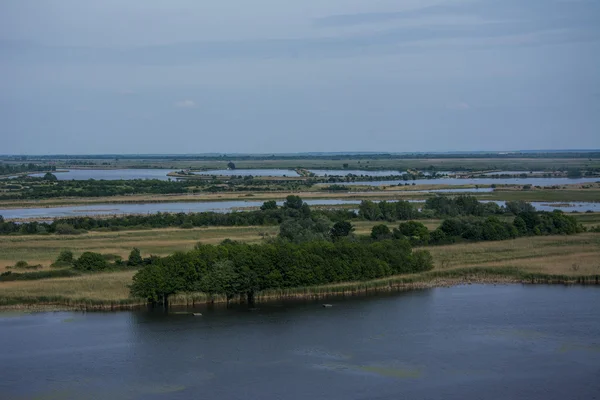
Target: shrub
[(65, 256), (135, 258), (66, 229), (91, 262), (380, 231)]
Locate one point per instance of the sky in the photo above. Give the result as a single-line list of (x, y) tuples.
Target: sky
[(268, 76)]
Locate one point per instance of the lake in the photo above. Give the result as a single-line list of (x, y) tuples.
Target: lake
[(480, 181), (344, 172), (465, 342), (111, 174), (219, 206), (248, 172)]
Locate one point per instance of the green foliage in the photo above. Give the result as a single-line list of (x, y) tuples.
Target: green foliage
[(269, 205), (381, 231), (135, 257), (66, 229), (65, 256), (416, 232), (293, 202), (50, 177), (341, 229), (305, 229), (518, 206), (230, 165), (90, 261), (232, 268), (30, 276)]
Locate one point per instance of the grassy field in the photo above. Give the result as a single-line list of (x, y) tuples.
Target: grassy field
[(43, 249)]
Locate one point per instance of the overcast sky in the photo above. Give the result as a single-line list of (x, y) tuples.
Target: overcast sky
[(189, 76)]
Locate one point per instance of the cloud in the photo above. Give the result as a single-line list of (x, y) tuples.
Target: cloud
[(185, 104), (459, 106)]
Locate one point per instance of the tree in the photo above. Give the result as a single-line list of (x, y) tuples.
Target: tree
[(135, 257), (293, 202), (269, 205), (405, 210), (65, 256), (90, 261), (50, 177), (519, 206), (341, 229), (230, 165), (381, 231), (369, 210), (415, 231)]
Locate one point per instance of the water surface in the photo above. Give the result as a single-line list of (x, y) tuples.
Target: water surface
[(344, 172), (467, 342), (249, 172), (224, 206), (480, 181), (111, 174)]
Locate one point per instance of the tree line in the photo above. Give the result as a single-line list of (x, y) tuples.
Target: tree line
[(271, 214), (10, 169), (236, 269), (470, 228)]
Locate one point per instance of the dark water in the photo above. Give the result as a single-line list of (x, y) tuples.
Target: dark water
[(468, 342), (111, 174)]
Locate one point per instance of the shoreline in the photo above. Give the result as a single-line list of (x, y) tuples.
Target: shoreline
[(398, 283)]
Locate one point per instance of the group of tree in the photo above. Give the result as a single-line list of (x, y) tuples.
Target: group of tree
[(11, 169), (232, 268), (310, 250), (438, 207), (269, 214), (470, 228), (97, 262)]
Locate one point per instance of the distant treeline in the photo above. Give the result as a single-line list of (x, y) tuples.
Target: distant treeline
[(271, 214), (9, 169), (469, 228), (33, 188), (312, 156)]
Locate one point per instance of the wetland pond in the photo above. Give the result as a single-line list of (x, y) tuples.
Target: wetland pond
[(464, 342), (480, 181), (111, 174)]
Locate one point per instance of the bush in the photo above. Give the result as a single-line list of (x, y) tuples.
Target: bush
[(91, 262), (422, 260), (30, 276), (65, 256), (66, 229), (135, 258), (381, 231)]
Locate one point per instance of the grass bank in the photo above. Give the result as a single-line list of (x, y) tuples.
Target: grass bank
[(546, 259)]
